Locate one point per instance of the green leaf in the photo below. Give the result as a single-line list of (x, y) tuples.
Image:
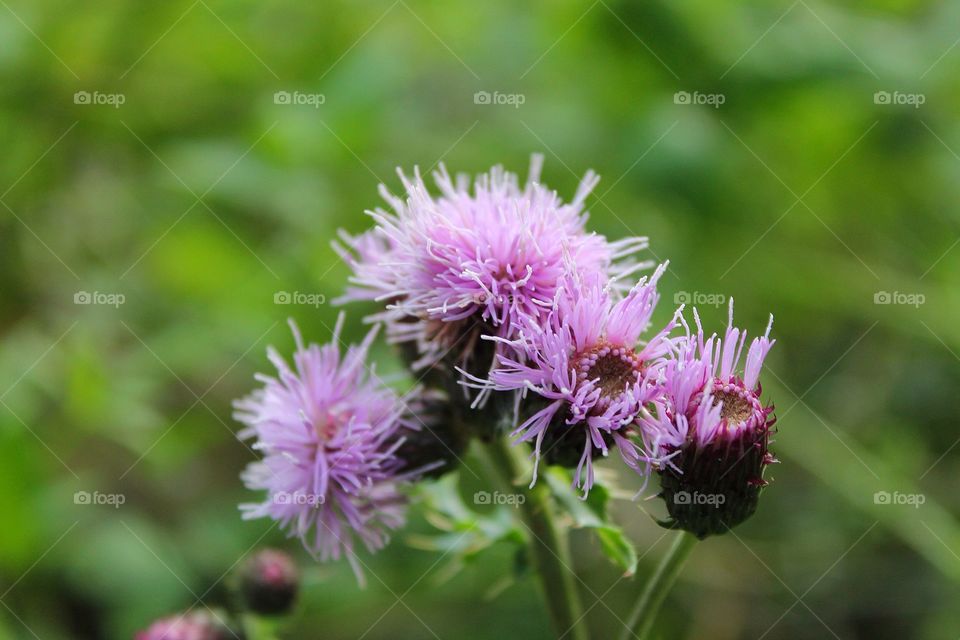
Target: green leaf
[(618, 548), (465, 533), (591, 513)]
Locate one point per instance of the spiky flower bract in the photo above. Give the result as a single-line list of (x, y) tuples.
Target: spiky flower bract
[(586, 371), (328, 430), (474, 261), (713, 431)]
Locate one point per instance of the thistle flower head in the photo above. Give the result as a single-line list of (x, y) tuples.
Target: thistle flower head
[(328, 431), (712, 430), (474, 261), (587, 370)]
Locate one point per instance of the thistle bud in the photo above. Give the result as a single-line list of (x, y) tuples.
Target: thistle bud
[(193, 625), (713, 433), (269, 582), (711, 487)]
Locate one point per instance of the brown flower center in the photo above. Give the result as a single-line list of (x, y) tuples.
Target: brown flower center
[(735, 409), (614, 368)]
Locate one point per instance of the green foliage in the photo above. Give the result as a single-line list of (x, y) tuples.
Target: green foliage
[(104, 199), (466, 532), (592, 513)]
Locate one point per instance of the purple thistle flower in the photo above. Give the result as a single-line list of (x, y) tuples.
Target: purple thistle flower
[(472, 262), (588, 370), (329, 434), (712, 430)]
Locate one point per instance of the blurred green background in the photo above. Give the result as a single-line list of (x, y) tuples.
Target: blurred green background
[(806, 193)]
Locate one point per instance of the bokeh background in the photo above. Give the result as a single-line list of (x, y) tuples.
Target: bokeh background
[(801, 157)]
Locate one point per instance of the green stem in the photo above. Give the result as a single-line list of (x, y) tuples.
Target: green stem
[(256, 628), (658, 586), (548, 545)]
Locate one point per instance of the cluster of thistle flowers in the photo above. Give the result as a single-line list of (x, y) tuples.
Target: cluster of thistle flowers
[(509, 312)]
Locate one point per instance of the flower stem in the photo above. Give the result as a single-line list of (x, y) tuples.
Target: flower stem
[(658, 586), (548, 545), (256, 628)]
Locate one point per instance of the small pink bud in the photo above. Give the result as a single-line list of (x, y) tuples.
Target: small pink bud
[(269, 582)]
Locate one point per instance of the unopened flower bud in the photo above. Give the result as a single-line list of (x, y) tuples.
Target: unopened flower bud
[(269, 582), (716, 486), (713, 431), (194, 625)]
